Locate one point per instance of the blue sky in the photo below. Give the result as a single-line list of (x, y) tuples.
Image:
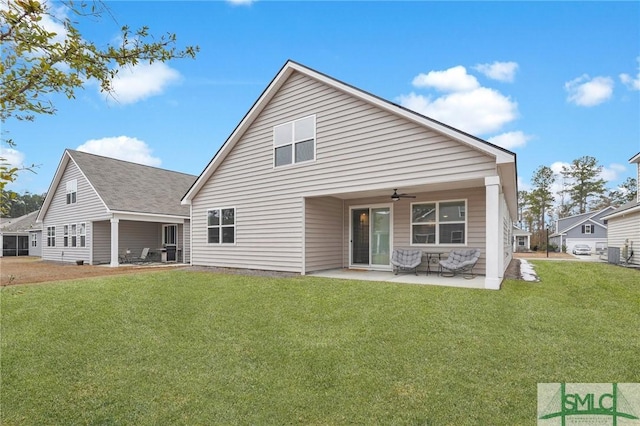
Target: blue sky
[(551, 81)]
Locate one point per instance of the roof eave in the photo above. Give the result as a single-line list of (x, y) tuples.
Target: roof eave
[(501, 155), (625, 212)]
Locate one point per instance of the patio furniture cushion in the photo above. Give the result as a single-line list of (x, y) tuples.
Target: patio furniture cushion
[(406, 259), (461, 261)]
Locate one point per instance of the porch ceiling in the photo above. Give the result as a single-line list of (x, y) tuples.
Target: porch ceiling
[(348, 194)]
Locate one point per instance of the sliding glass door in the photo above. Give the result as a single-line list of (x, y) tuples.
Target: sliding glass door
[(371, 237)]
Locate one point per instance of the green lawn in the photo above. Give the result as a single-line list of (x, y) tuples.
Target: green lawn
[(197, 348)]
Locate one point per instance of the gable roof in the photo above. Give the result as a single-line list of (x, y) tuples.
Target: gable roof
[(502, 156), (627, 208), (23, 223), (124, 186), (568, 223)]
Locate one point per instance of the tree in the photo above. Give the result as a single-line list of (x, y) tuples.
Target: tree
[(541, 199), (624, 193), (585, 185), (19, 205), (37, 61), (523, 197)]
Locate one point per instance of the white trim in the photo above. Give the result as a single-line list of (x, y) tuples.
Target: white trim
[(493, 230), (146, 217), (437, 223), (622, 213), (167, 225), (115, 242), (303, 266), (235, 226), (57, 178), (370, 266), (502, 156)]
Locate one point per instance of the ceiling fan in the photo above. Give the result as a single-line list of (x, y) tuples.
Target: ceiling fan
[(396, 196)]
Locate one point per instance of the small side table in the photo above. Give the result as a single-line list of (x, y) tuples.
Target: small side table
[(433, 257)]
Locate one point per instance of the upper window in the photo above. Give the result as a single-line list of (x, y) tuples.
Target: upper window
[(221, 226), (294, 142), (442, 222), (72, 191), (51, 236), (588, 229)]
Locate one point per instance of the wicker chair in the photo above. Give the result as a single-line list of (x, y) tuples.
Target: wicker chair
[(460, 261), (406, 260)]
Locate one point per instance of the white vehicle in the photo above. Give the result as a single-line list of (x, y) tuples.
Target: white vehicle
[(582, 249)]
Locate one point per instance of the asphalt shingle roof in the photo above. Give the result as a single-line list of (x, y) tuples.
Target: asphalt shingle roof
[(20, 224), (132, 187)]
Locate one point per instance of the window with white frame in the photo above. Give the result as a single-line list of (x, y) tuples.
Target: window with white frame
[(34, 239), (51, 236), (294, 142), (74, 238), (588, 229), (72, 191), (439, 222), (169, 235), (221, 226), (82, 231), (65, 235)]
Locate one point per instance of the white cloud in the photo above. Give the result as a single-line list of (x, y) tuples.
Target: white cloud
[(479, 111), (629, 81), (12, 157), (613, 172), (558, 166), (586, 91), (466, 105), (241, 2), (523, 186), (123, 148), (454, 79), (133, 84), (510, 140), (501, 71)]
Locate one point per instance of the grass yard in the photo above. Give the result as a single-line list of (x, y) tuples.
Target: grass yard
[(191, 348)]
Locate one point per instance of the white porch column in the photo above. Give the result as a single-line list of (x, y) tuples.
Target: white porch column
[(115, 232), (493, 233)]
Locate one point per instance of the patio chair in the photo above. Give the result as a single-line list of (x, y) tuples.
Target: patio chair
[(144, 255), (460, 261), (406, 260)]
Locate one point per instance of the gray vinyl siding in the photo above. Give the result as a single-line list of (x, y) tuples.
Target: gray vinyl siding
[(359, 147), (87, 207), (136, 236), (323, 234), (600, 232), (625, 228), (401, 211), (102, 242)]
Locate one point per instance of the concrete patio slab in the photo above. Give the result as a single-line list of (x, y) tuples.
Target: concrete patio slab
[(422, 278)]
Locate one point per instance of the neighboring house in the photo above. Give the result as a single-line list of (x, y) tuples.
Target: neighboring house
[(100, 209), (624, 224), (521, 240), (21, 236), (305, 182), (586, 228)]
